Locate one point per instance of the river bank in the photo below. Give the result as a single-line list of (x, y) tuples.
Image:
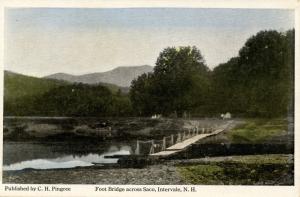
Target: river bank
[(273, 169), (67, 128)]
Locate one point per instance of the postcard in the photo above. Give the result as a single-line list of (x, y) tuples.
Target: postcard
[(131, 98)]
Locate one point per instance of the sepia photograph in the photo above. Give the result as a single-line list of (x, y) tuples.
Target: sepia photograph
[(148, 96)]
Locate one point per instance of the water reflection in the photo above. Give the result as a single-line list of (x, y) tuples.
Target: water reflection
[(68, 160), (45, 164)]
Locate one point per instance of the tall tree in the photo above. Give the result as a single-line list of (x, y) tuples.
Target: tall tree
[(264, 71), (259, 81), (179, 83), (140, 95)]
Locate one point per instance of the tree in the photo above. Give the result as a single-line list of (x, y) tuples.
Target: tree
[(265, 73), (259, 81), (179, 83), (226, 90), (76, 100), (140, 94)]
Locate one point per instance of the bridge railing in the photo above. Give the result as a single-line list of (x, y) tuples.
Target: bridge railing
[(168, 141)]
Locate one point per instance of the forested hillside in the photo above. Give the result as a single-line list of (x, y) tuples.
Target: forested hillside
[(17, 86), (31, 96)]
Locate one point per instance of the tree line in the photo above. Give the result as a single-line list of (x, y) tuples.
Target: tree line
[(71, 100), (258, 82)]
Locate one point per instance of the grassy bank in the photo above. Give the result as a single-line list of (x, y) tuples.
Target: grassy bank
[(255, 131), (240, 170), (258, 130), (251, 136)]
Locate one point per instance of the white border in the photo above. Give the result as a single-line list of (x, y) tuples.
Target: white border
[(236, 191), (153, 3)]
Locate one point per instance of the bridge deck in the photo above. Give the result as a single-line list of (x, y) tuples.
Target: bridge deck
[(188, 142)]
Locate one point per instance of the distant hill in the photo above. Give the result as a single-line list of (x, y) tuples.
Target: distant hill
[(121, 76), (17, 85)]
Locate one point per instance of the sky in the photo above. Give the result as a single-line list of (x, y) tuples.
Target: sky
[(43, 41)]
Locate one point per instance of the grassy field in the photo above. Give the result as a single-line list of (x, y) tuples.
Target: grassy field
[(258, 130)]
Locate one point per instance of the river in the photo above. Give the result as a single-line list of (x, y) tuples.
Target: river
[(56, 155)]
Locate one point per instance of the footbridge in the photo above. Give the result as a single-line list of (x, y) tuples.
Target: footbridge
[(179, 142)]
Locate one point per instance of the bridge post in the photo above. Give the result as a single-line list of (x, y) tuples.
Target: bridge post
[(203, 130), (178, 137), (172, 139), (137, 150), (164, 144), (183, 136), (152, 147)]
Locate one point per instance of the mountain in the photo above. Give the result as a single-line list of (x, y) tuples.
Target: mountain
[(121, 76)]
